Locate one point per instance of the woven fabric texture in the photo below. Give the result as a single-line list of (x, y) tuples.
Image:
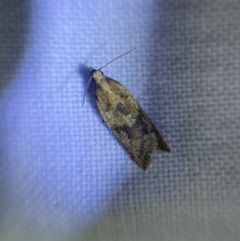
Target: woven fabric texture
[(63, 175)]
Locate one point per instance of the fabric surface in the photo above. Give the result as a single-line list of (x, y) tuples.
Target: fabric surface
[(63, 175)]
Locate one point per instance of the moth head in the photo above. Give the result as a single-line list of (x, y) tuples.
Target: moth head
[(92, 71)]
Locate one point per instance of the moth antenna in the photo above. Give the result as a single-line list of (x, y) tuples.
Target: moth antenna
[(116, 58), (86, 90)]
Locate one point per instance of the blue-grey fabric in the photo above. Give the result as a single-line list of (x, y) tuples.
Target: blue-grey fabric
[(63, 175)]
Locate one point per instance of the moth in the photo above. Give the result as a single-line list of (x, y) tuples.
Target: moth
[(125, 118)]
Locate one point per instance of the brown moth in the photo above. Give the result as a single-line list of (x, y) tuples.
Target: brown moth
[(126, 119)]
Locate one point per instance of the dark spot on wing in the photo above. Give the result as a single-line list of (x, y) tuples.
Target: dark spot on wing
[(123, 95), (127, 130), (98, 86), (116, 129), (124, 129), (121, 108), (141, 123), (107, 106)]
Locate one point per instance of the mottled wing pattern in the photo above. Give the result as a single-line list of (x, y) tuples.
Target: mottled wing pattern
[(128, 122)]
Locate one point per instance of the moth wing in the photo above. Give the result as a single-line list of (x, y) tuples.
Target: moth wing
[(129, 123), (141, 140)]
